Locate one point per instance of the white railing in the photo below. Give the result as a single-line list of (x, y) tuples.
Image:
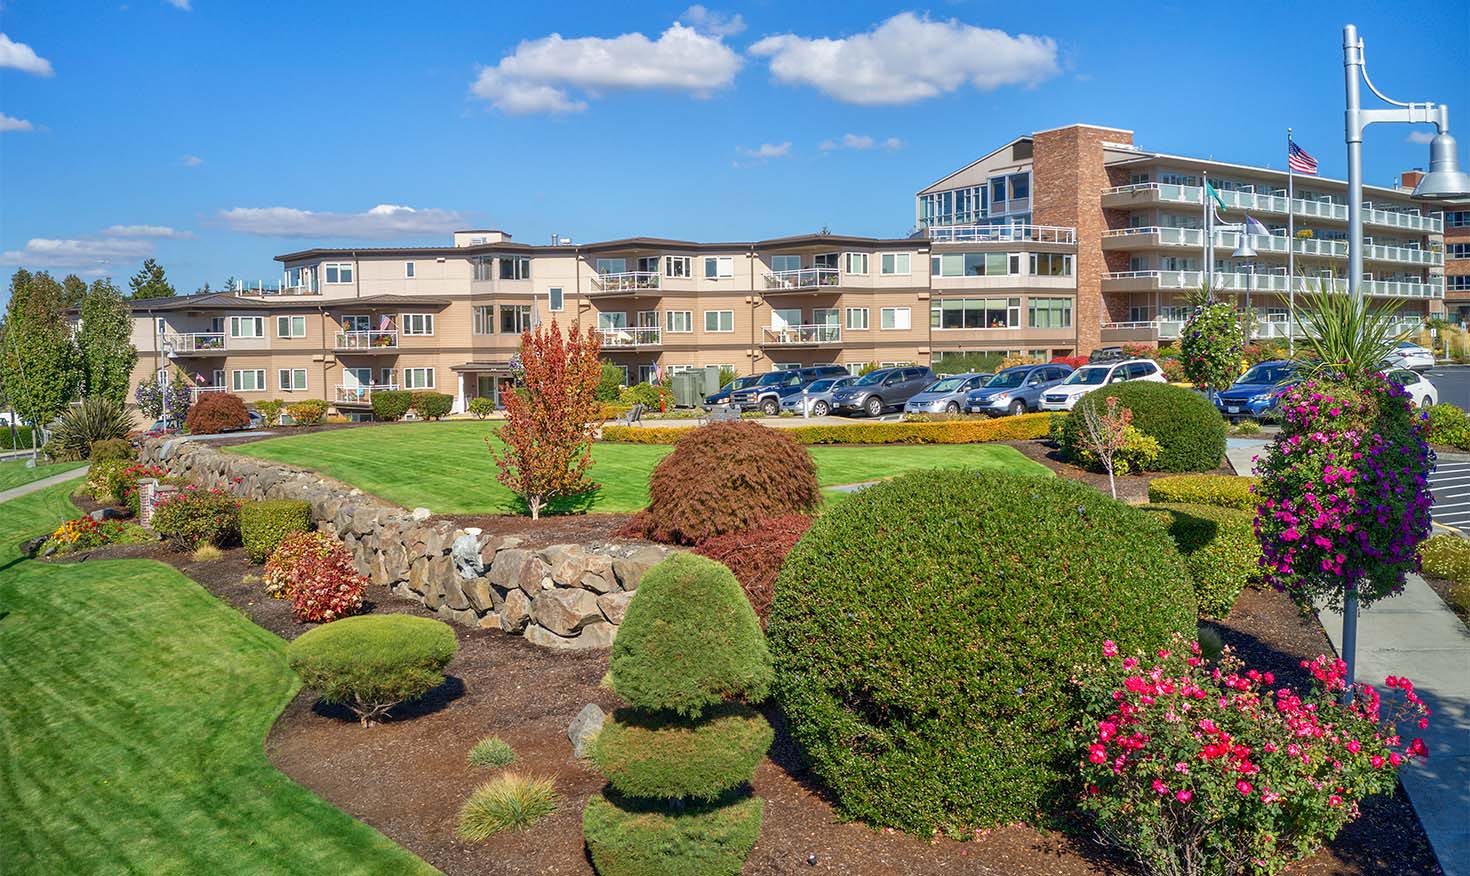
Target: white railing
[(196, 391), (373, 340), (801, 278), (625, 281), (1260, 203), (1263, 327), (196, 342), (1276, 243), (1002, 234), (1241, 282), (359, 394), (637, 336), (802, 335)]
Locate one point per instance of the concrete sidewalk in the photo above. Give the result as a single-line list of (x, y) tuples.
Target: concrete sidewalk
[(42, 484), (1241, 453)]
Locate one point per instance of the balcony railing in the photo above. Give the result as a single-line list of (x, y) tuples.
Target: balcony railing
[(374, 340), (196, 343), (1276, 243), (625, 281), (359, 395), (196, 391), (629, 338), (1262, 328), (801, 278), (1259, 203), (801, 335), (1240, 282), (1002, 234)]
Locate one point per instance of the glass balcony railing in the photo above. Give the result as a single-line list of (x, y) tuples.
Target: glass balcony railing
[(372, 340), (625, 281), (627, 338), (1276, 243), (801, 335), (1240, 282), (195, 343), (801, 278), (1264, 203), (1002, 234)]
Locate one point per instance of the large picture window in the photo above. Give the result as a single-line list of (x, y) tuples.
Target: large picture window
[(1051, 264), (719, 321), (975, 313), (418, 323), (515, 318), (418, 378), (247, 326), (975, 264), (719, 267), (248, 380), (895, 263), (680, 321), (1053, 313), (897, 318)]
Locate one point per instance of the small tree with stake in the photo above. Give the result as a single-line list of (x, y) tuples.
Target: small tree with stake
[(1104, 433), (552, 418)]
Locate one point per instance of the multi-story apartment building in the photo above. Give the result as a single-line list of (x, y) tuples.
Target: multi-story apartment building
[(1457, 262), (1056, 243)]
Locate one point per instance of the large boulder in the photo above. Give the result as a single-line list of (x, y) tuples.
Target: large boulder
[(565, 611)]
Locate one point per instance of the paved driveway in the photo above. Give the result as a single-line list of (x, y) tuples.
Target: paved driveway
[(1451, 485)]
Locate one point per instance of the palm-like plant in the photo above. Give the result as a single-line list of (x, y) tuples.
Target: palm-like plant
[(94, 419), (1347, 336)]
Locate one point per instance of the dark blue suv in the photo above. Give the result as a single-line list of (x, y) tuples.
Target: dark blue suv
[(723, 395), (765, 394), (1257, 391)]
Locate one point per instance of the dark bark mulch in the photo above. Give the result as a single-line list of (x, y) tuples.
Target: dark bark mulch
[(1132, 488), (552, 529)]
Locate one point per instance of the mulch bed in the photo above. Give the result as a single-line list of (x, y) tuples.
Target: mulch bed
[(556, 529), (1132, 488)]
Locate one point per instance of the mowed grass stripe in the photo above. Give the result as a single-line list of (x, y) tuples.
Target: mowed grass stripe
[(133, 711), (446, 468)]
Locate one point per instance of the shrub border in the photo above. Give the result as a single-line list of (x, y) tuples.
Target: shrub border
[(1019, 428)]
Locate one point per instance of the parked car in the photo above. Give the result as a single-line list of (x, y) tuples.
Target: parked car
[(1064, 395), (1257, 391), (817, 396), (1417, 385), (1016, 390), (877, 391), (722, 397), (1104, 355), (766, 393), (946, 395), (1407, 354)]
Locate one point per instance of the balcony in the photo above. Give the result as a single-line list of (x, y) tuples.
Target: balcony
[(1164, 193), (367, 342), (624, 282), (801, 278), (1264, 327), (1149, 281), (359, 395), (195, 343), (630, 338), (196, 391), (1152, 236), (801, 335), (1002, 234)]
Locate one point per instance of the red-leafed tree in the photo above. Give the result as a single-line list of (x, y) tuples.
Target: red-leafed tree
[(552, 417)]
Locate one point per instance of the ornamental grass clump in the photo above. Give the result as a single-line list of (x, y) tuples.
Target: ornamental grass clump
[(510, 801), (372, 663), (492, 751), (689, 659), (1211, 770)]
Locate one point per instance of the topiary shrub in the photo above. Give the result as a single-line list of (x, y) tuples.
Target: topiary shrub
[(307, 412), (755, 556), (679, 757), (267, 523), (1190, 432), (111, 450), (481, 407), (217, 412), (371, 664), (1219, 547), (193, 517), (1224, 491), (727, 477), (433, 405), (391, 404), (924, 670)]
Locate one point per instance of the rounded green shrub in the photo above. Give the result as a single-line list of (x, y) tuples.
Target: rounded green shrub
[(432, 405), (373, 662), (391, 404), (1220, 549), (481, 407), (1224, 491), (112, 450), (628, 837), (924, 631), (265, 524), (1190, 432), (645, 755), (690, 640)]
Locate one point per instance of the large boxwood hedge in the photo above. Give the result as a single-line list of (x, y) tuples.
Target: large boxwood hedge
[(1190, 432), (1219, 547), (925, 629)]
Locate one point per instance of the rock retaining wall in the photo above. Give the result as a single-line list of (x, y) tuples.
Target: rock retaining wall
[(562, 596)]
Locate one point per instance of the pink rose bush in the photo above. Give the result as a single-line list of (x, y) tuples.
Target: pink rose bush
[(1344, 495), (1201, 770)]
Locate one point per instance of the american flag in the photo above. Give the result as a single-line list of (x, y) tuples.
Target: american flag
[(387, 322), (1298, 159)]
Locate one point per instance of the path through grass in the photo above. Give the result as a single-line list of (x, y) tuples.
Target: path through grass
[(14, 473)]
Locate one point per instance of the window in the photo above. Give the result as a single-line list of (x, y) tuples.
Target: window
[(1051, 264), (1457, 283), (1020, 186), (339, 273), (648, 265), (418, 323), (857, 318), (610, 319), (785, 262), (1457, 219), (719, 320), (515, 318), (975, 264), (161, 326), (301, 278), (484, 319), (612, 266), (900, 318), (895, 263), (252, 380), (1457, 250), (857, 262), (515, 269), (418, 378), (291, 379), (677, 266), (247, 326), (484, 267), (1049, 312), (217, 325), (408, 270), (680, 321), (975, 313), (290, 326), (719, 267), (555, 299)]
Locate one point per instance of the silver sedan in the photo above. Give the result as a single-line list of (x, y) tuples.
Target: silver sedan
[(945, 395)]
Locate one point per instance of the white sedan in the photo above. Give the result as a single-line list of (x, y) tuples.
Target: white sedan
[(1407, 354), (1417, 385), (1064, 396)]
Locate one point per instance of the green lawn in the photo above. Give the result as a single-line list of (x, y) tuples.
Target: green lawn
[(133, 712), (14, 473), (445, 467)]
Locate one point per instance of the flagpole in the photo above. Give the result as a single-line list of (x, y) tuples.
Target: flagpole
[(1290, 253), (1208, 244)]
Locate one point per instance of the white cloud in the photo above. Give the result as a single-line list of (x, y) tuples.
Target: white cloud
[(184, 5), (191, 160), (10, 123), (19, 56), (1421, 136), (385, 221), (77, 253), (909, 58), (719, 24), (768, 150), (861, 142), (145, 231), (537, 76)]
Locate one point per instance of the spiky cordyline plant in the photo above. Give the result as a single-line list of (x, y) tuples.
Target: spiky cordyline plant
[(93, 419), (1347, 336)]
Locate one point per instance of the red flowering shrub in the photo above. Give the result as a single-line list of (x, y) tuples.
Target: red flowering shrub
[(193, 517), (755, 556), (123, 483), (1070, 361), (217, 412), (1201, 770), (315, 572)]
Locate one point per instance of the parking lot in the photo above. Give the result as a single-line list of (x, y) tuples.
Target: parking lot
[(1453, 383), (1451, 485)]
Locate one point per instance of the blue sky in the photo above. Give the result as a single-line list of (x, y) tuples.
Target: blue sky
[(216, 135)]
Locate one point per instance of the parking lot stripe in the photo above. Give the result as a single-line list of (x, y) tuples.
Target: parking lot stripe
[(1439, 481)]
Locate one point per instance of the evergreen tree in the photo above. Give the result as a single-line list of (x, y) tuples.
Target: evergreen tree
[(38, 360), (150, 281), (231, 284), (104, 342)]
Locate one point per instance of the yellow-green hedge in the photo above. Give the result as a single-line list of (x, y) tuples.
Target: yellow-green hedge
[(1223, 491), (1024, 427)]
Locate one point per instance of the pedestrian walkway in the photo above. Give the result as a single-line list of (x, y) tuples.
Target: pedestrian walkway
[(1416, 636), (42, 484), (1241, 453)]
